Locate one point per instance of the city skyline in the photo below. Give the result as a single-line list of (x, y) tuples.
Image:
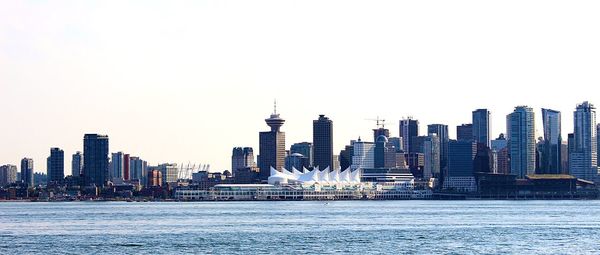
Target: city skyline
[(165, 97), (423, 130)]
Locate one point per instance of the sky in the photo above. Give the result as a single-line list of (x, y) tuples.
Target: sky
[(186, 81)]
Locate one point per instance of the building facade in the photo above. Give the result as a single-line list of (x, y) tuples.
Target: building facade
[(8, 175), (431, 155), (551, 149), (409, 128), (242, 158), (323, 142), (271, 147), (364, 155), (304, 148), (583, 156), (77, 164), (441, 131), (27, 171), (56, 166), (500, 160), (116, 166), (481, 126), (385, 153), (520, 126), (464, 132), (95, 160), (138, 169), (460, 175)]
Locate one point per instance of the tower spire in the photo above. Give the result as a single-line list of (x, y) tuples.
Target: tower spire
[(274, 106)]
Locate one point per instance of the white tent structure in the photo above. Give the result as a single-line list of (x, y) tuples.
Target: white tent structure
[(323, 177)]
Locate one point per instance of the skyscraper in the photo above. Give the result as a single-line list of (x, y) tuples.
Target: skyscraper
[(116, 166), (441, 131), (297, 161), (551, 149), (597, 143), (380, 131), (126, 167), (241, 158), (460, 175), (481, 126), (483, 162), (271, 146), (27, 171), (8, 175), (323, 142), (397, 142), (431, 155), (385, 153), (464, 132), (56, 166), (520, 126), (346, 154), (304, 148), (409, 128), (500, 160), (77, 164), (583, 158), (364, 155), (138, 169), (95, 159)]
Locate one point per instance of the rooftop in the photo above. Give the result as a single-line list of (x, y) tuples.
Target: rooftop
[(549, 176)]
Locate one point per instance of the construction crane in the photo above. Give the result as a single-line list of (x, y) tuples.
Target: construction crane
[(379, 122)]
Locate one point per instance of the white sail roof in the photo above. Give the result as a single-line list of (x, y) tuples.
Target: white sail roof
[(323, 177)]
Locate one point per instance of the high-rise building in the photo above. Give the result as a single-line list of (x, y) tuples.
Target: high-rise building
[(8, 175), (550, 162), (323, 142), (137, 169), (154, 178), (460, 175), (242, 158), (583, 159), (56, 166), (304, 148), (297, 161), (564, 157), (116, 166), (346, 154), (380, 132), (431, 156), (520, 126), (441, 131), (385, 153), (77, 164), (483, 162), (169, 172), (95, 160), (409, 128), (481, 126), (500, 161), (364, 155), (464, 132), (397, 142), (271, 147), (126, 167), (27, 171), (598, 143)]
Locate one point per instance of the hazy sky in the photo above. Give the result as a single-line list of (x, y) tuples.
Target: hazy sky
[(185, 81)]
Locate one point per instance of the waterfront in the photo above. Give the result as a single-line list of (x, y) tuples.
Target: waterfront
[(405, 227)]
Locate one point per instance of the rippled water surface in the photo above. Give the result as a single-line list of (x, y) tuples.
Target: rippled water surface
[(396, 227)]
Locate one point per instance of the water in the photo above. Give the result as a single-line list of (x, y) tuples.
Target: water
[(396, 227)]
